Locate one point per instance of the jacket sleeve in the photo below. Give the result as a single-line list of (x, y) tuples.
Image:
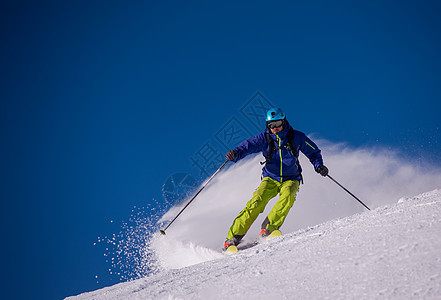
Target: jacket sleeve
[(250, 146), (311, 150)]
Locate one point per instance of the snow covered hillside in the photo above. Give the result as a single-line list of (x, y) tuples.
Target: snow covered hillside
[(391, 252)]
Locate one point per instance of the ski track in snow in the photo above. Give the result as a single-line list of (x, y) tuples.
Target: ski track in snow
[(391, 252)]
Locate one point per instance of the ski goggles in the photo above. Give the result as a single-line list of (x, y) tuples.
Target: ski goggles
[(275, 124)]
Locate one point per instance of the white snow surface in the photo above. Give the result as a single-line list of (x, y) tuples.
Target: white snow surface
[(391, 252), (332, 247)]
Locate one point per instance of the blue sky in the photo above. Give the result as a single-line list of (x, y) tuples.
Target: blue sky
[(101, 102)]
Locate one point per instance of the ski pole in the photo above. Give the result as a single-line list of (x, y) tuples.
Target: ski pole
[(200, 190), (348, 191)]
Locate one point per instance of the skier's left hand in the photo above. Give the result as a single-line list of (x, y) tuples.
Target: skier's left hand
[(322, 170)]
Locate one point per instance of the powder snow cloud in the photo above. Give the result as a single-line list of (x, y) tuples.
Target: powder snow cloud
[(377, 176)]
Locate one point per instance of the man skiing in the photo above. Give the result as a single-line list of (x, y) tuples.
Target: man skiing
[(281, 174)]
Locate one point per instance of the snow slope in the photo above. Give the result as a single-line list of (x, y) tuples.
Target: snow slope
[(391, 252), (378, 177)]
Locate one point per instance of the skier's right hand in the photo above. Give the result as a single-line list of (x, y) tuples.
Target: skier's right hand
[(230, 155)]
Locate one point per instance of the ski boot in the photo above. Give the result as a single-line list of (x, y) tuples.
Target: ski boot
[(229, 247), (266, 234)]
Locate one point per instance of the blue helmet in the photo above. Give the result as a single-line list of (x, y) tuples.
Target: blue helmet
[(275, 114)]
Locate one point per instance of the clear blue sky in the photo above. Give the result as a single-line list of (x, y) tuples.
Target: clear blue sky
[(101, 101)]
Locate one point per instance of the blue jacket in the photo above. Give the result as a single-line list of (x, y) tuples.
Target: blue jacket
[(283, 164)]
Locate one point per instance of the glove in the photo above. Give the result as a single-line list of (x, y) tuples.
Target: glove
[(230, 155), (322, 170)]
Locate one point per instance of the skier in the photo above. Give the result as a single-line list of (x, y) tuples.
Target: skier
[(281, 174)]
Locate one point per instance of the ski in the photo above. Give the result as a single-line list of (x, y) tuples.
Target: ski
[(273, 234), (230, 250), (234, 249)]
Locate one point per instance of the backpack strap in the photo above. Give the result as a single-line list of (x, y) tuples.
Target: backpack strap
[(292, 147), (271, 145), (294, 150)]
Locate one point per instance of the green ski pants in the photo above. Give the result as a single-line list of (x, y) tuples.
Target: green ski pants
[(268, 189)]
